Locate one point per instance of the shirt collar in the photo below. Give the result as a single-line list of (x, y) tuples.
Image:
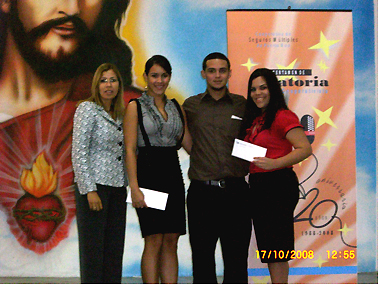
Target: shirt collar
[(207, 96), (150, 99), (105, 114)]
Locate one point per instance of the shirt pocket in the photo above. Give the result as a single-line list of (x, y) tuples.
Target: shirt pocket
[(235, 124)]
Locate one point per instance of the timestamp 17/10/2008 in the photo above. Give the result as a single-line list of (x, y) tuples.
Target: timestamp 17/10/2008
[(304, 254)]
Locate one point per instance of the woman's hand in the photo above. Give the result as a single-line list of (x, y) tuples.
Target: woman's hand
[(94, 201), (138, 199), (265, 163)]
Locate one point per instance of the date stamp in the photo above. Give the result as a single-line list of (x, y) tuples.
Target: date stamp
[(282, 254), (304, 254)]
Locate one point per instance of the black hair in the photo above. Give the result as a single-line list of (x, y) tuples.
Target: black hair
[(215, 55), (106, 44), (159, 60), (3, 30), (277, 100), (103, 45)]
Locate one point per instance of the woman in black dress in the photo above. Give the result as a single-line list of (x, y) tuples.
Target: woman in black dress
[(155, 129)]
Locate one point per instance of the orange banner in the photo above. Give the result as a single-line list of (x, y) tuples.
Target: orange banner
[(312, 55)]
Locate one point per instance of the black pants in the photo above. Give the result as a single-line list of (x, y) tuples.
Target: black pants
[(215, 213), (274, 196), (102, 235)]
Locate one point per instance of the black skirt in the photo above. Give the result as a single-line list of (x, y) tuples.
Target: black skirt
[(158, 168), (274, 196)]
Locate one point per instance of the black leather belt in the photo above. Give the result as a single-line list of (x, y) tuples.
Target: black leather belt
[(222, 183), (219, 183)]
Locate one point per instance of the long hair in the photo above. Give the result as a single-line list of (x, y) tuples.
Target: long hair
[(3, 36), (103, 44), (106, 43), (117, 103), (277, 100)]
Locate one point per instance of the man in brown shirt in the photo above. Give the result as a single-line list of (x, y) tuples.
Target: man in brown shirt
[(217, 197)]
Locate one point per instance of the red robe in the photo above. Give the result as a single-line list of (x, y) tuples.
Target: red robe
[(40, 225)]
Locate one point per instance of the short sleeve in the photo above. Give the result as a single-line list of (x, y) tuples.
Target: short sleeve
[(285, 121)]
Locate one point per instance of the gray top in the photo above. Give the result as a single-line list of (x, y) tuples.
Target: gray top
[(159, 131), (98, 153)]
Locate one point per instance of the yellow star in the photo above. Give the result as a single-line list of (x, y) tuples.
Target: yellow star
[(249, 64), (257, 280), (345, 230), (323, 66), (320, 261), (290, 66), (324, 44), (329, 144), (324, 117)]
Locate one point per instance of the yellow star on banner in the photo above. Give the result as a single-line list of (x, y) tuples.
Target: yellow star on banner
[(345, 230), (324, 117), (320, 261), (323, 66), (329, 144), (290, 66), (249, 64), (264, 280), (324, 44)]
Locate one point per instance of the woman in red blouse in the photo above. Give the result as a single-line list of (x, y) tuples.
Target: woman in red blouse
[(273, 183)]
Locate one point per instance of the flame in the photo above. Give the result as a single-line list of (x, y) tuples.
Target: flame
[(41, 180)]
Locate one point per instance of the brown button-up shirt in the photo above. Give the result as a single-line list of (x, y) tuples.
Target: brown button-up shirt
[(213, 126)]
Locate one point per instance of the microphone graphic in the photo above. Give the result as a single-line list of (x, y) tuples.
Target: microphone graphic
[(308, 124)]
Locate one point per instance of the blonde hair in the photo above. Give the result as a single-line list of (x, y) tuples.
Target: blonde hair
[(118, 102)]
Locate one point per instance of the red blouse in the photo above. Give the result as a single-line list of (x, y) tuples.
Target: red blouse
[(274, 139)]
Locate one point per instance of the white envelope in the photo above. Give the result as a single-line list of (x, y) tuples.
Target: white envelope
[(154, 199), (247, 151)]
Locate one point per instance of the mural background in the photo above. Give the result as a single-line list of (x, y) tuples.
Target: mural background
[(186, 31)]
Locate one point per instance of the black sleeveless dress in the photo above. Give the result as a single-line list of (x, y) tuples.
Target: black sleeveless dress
[(158, 168)]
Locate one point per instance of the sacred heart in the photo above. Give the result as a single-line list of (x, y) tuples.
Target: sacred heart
[(39, 212), (39, 217)]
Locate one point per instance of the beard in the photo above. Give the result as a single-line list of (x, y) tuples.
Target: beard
[(63, 66)]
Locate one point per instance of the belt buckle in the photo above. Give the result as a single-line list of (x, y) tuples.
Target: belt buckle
[(222, 183)]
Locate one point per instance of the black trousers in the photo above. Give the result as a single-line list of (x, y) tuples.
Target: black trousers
[(102, 235), (274, 196), (219, 214)]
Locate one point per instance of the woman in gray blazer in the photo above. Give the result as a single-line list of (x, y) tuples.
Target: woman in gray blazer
[(98, 161)]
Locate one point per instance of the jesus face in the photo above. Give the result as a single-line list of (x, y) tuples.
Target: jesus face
[(51, 35)]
